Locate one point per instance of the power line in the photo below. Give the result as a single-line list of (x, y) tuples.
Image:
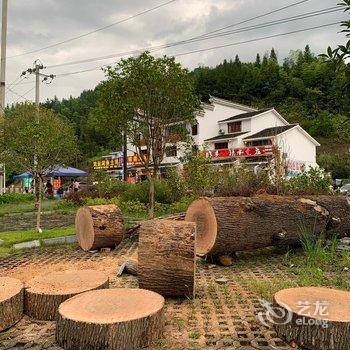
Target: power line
[(239, 30), (256, 17), (219, 46), (21, 96), (94, 31)]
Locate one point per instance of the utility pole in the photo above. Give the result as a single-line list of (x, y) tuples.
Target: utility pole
[(2, 83), (3, 54)]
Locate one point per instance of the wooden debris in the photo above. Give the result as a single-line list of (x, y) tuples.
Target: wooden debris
[(99, 226), (167, 257), (44, 294), (111, 319), (11, 302), (129, 266), (314, 317)]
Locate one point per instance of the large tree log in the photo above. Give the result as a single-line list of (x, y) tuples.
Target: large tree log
[(167, 257), (43, 295), (99, 226), (11, 302), (314, 318), (230, 224), (113, 319)]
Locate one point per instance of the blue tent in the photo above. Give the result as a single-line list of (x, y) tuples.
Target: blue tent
[(23, 176), (66, 172)]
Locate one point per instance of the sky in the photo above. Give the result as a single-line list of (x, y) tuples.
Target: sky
[(39, 23)]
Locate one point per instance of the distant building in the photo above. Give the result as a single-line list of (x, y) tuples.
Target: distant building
[(229, 132)]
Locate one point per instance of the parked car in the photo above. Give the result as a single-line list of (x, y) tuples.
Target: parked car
[(345, 189)]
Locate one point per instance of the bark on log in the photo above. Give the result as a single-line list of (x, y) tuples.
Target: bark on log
[(113, 319), (99, 226), (230, 224), (315, 318), (167, 257), (128, 266), (43, 295), (11, 302)]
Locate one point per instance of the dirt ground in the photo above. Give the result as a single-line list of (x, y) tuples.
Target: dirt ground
[(223, 315)]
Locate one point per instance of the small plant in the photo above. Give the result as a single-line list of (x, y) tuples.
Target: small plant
[(194, 334)]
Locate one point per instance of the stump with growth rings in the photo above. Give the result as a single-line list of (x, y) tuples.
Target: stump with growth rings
[(111, 319), (99, 226), (11, 302), (43, 295), (316, 318), (167, 257)]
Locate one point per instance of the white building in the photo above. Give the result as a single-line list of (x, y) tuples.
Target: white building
[(230, 132)]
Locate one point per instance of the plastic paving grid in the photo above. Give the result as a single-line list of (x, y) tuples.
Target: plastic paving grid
[(223, 316)]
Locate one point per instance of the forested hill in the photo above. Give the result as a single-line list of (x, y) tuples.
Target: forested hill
[(303, 88)]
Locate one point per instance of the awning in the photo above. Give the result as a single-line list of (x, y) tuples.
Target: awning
[(22, 176)]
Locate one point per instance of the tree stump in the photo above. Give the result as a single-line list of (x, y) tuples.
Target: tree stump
[(315, 318), (111, 319), (230, 224), (43, 295), (11, 302), (99, 226), (167, 257)]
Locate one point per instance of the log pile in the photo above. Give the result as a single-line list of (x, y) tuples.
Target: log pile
[(231, 224), (11, 302), (167, 257), (110, 319), (315, 318), (44, 294), (99, 226)]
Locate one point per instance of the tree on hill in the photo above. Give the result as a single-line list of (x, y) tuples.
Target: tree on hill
[(37, 141), (153, 99)]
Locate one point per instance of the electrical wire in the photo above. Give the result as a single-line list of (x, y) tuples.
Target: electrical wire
[(218, 46), (21, 96), (94, 31), (168, 45)]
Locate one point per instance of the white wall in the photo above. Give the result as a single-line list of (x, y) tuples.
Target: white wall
[(298, 147)]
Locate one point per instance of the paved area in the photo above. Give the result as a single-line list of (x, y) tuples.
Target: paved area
[(27, 221), (223, 316)]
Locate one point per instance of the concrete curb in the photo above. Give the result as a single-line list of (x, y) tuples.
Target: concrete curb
[(46, 242)]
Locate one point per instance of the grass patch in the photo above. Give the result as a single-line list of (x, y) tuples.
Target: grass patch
[(13, 237)]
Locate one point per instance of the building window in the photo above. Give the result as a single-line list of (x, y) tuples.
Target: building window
[(195, 129), (234, 127), (171, 151), (144, 152), (221, 145), (266, 142)]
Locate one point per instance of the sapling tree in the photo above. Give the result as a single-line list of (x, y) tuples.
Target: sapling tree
[(36, 140), (153, 101)]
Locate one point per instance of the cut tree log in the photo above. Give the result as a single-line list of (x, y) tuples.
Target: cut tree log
[(11, 302), (113, 319), (167, 257), (43, 295), (231, 224), (99, 226), (128, 266), (314, 317)]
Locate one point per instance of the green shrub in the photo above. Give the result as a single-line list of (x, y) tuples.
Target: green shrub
[(133, 207), (313, 182), (9, 198)]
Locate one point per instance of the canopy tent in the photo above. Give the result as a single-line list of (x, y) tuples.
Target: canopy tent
[(23, 175), (58, 171), (66, 172)]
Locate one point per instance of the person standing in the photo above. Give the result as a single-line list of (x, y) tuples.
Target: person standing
[(76, 185)]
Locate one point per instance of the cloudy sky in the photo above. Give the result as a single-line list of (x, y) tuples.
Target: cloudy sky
[(36, 24)]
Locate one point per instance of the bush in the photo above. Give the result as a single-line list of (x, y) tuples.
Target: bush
[(313, 182), (9, 198)]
